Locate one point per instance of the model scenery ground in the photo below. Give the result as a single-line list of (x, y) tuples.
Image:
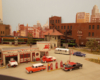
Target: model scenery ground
[(90, 70)]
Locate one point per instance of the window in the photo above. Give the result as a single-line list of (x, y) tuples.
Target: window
[(97, 26), (70, 27), (28, 55), (92, 26), (64, 33), (89, 34), (89, 26), (64, 27), (50, 21), (58, 27), (50, 27), (92, 33), (21, 56), (58, 37), (56, 21), (7, 27), (61, 27), (55, 37), (37, 54), (67, 27)]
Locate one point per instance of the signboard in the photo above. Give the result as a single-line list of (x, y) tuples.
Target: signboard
[(79, 33), (20, 51), (43, 46)]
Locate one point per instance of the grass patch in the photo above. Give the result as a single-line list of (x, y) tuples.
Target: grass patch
[(94, 60)]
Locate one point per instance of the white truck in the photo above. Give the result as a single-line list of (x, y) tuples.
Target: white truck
[(13, 63), (62, 51)]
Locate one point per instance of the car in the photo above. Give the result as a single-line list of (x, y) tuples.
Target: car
[(13, 63), (35, 68), (71, 66), (48, 59), (79, 54)]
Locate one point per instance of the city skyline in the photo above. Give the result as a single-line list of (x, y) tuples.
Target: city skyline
[(16, 12)]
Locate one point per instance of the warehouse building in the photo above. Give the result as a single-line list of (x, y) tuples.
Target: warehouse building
[(22, 54)]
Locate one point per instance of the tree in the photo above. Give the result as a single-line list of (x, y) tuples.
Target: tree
[(30, 39), (92, 44)]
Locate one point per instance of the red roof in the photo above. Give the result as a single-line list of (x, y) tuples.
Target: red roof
[(51, 32), (71, 63)]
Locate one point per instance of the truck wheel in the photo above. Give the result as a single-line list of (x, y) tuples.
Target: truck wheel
[(30, 72), (80, 67), (70, 69)]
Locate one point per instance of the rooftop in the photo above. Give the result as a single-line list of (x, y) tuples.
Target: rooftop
[(14, 48), (53, 32)]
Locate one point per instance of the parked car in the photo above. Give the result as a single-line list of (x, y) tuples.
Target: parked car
[(79, 54), (48, 59), (35, 68), (71, 66), (13, 63)]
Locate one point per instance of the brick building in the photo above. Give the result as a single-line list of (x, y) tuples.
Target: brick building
[(95, 16), (81, 32), (82, 17), (4, 30), (36, 31)]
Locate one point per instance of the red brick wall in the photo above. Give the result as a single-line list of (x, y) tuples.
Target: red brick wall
[(84, 27)]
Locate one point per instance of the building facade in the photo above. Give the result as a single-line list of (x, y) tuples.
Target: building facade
[(82, 17), (53, 36), (95, 16), (36, 31), (21, 54), (81, 32), (4, 30)]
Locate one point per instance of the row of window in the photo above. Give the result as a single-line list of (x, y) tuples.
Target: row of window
[(28, 55), (92, 27), (62, 27), (52, 21), (91, 34), (24, 55), (2, 32), (70, 27)]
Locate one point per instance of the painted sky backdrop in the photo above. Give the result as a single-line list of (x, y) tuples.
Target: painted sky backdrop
[(31, 11)]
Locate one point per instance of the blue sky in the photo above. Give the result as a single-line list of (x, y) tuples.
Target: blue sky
[(31, 11)]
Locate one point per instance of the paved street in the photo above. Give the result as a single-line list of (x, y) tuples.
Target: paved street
[(90, 70)]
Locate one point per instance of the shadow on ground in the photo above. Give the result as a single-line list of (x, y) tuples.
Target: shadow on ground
[(4, 77)]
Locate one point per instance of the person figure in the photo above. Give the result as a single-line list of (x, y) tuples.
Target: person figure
[(34, 59), (8, 65), (49, 66), (41, 59)]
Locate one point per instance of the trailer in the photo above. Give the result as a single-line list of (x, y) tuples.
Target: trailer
[(62, 51)]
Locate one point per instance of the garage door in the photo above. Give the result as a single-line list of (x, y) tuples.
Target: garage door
[(9, 57)]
